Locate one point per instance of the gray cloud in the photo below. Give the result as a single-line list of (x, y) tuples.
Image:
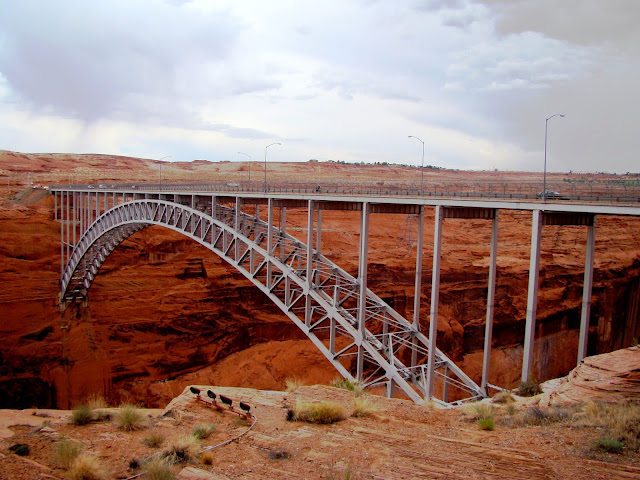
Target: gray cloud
[(88, 59)]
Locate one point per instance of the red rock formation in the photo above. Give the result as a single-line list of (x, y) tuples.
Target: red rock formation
[(164, 310)]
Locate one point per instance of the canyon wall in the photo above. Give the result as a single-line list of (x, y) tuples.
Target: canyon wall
[(165, 311)]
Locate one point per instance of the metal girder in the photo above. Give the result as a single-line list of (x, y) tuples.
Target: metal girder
[(347, 322)]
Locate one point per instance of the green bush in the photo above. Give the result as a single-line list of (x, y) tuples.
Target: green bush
[(486, 424), (608, 445), (21, 449)]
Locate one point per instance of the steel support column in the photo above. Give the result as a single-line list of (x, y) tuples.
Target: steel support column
[(362, 280), (586, 292), (269, 239), (237, 213), (283, 229), (532, 300), (417, 295), (435, 295), (310, 215), (491, 292)]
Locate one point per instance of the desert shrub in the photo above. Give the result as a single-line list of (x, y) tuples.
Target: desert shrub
[(207, 458), (129, 418), (21, 449), (153, 440), (529, 388), (486, 424), (95, 402), (511, 409), (279, 454), (65, 452), (292, 384), (362, 407), (81, 415), (158, 469), (620, 420), (102, 416), (87, 467), (609, 445), (182, 449), (502, 397), (478, 411), (319, 412), (204, 431), (347, 384)]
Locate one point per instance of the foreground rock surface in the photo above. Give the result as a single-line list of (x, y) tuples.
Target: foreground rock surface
[(400, 440), (613, 376)]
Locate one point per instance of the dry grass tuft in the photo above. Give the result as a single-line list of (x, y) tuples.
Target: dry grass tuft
[(621, 421), (204, 431), (477, 411), (207, 458), (529, 388), (319, 412), (182, 449), (95, 402), (129, 418), (503, 397), (81, 415), (158, 469), (87, 467), (292, 384), (347, 384), (153, 440), (362, 407), (65, 452)]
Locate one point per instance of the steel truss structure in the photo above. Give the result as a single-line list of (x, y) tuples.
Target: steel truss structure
[(362, 336)]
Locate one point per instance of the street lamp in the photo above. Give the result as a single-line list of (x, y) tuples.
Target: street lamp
[(422, 167), (240, 153), (265, 164), (544, 176)]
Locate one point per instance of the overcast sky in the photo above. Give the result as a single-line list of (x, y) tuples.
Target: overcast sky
[(331, 80)]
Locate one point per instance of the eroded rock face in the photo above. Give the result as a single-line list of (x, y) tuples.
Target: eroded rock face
[(165, 311)]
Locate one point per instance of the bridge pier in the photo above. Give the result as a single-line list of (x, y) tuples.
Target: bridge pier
[(435, 295), (363, 258), (491, 292), (586, 291)]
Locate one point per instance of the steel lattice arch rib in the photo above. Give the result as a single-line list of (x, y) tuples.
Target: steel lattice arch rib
[(382, 349)]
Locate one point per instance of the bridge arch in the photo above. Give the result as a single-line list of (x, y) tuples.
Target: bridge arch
[(316, 294)]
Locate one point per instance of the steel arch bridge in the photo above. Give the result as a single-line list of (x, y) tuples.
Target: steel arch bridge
[(362, 336)]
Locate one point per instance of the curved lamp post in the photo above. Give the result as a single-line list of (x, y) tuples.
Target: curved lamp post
[(161, 165), (422, 166), (265, 164), (241, 153), (544, 176)]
